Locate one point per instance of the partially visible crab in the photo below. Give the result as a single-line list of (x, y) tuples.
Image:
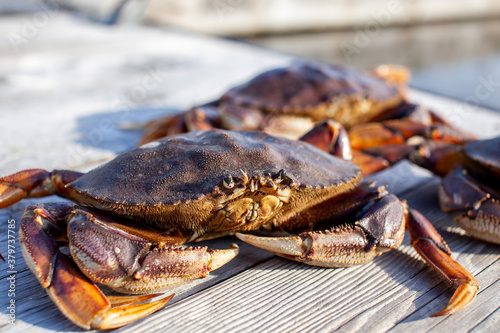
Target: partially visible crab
[(289, 101), (133, 214), (470, 188)]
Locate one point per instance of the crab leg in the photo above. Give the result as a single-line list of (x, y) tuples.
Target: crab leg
[(393, 74), (438, 156), (404, 122), (162, 127), (107, 255), (197, 118), (131, 264), (34, 183), (432, 248), (75, 295), (331, 137), (377, 229), (378, 145), (85, 305), (379, 158)]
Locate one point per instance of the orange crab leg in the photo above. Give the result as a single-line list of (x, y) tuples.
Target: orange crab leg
[(331, 137), (438, 156), (34, 183), (393, 74), (405, 121), (85, 305), (197, 118), (432, 248), (369, 135), (368, 163), (162, 127), (378, 158), (20, 185)]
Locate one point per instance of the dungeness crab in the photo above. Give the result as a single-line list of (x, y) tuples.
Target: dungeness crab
[(132, 215), (289, 101)]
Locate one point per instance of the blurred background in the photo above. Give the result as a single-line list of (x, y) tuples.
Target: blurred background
[(451, 46), (442, 41)]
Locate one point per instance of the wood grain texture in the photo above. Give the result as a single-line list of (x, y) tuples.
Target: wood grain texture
[(60, 100)]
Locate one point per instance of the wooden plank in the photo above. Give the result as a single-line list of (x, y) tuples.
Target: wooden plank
[(58, 98)]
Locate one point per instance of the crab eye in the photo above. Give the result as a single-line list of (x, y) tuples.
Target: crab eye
[(228, 182), (281, 176)]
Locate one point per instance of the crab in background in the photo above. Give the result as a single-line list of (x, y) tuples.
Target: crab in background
[(289, 101)]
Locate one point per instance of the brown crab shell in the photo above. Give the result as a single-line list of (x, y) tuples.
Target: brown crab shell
[(318, 91), (178, 181)]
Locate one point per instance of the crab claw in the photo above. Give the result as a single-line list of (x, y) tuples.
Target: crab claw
[(78, 298), (475, 210), (337, 248), (379, 229), (331, 137), (432, 248), (132, 264), (92, 309)]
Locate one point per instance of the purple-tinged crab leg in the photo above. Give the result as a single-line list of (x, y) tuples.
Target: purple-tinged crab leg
[(75, 295), (378, 230)]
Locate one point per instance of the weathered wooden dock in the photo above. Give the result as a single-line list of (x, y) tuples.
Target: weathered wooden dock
[(65, 89)]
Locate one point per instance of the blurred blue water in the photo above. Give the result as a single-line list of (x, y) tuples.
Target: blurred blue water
[(476, 81)]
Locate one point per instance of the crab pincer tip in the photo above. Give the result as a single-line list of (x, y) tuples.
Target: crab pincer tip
[(464, 294)]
